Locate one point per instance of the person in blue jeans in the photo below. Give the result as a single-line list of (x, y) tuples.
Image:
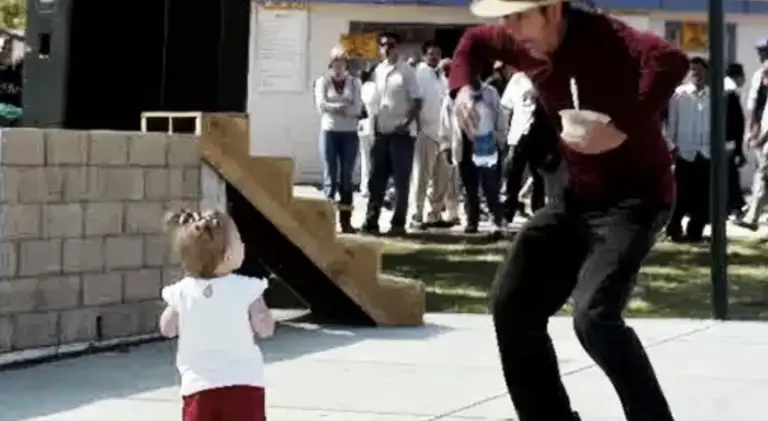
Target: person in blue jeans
[(338, 100), (477, 156)]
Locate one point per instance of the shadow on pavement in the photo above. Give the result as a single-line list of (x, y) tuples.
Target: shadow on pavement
[(46, 389)]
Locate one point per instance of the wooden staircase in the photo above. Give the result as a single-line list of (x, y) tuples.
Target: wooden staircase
[(343, 266)]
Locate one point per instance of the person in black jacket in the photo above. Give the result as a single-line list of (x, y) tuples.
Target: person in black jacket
[(734, 131), (537, 151)]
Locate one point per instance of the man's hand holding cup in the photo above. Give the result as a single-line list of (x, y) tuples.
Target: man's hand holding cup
[(590, 132)]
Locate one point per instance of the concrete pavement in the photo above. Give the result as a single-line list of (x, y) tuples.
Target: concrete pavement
[(447, 370)]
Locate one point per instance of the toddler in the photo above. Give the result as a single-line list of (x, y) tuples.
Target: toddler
[(215, 314)]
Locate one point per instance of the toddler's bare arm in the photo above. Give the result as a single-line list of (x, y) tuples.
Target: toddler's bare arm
[(169, 322), (262, 322)]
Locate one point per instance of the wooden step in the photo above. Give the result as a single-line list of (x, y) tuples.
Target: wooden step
[(309, 223), (317, 215)]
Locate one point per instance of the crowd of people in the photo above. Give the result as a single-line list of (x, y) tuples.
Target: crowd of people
[(394, 121), (687, 126)]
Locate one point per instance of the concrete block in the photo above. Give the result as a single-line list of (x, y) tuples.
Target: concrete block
[(32, 330), (119, 321), (78, 325), (213, 188), (76, 184), (21, 221), (6, 334), (124, 252), (32, 184), (125, 183), (142, 284), (102, 288), (19, 295), (156, 183), (40, 257), (63, 221), (108, 148), (59, 292), (185, 183), (174, 205), (148, 149), (83, 255), (117, 183), (9, 253), (172, 275), (103, 218), (23, 147), (156, 250), (144, 217), (66, 147), (182, 150), (149, 315)]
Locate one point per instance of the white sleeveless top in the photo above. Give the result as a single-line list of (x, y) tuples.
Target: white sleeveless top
[(216, 346)]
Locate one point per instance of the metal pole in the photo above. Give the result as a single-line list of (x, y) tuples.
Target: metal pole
[(718, 186)]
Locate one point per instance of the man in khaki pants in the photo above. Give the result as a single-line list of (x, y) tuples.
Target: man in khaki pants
[(429, 165), (758, 140)]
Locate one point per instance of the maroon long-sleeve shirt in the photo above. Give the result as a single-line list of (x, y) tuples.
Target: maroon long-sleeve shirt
[(626, 74)]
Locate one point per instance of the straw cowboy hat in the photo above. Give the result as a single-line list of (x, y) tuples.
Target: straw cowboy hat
[(500, 8)]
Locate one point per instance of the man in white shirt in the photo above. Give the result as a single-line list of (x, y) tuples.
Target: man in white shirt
[(756, 93), (430, 166), (399, 101), (688, 132), (758, 140), (757, 127)]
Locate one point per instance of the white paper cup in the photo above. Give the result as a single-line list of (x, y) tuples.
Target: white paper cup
[(575, 122)]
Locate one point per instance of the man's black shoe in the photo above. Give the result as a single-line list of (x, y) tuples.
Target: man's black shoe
[(369, 229), (397, 231)]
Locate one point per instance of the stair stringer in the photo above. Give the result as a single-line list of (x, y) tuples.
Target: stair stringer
[(224, 143)]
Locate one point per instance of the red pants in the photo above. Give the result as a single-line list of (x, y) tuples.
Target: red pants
[(235, 403)]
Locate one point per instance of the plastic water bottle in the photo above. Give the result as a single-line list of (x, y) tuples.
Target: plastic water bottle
[(485, 153)]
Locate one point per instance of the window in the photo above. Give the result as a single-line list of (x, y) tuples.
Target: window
[(693, 37)]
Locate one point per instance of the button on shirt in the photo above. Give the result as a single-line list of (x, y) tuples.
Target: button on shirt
[(398, 87), (520, 98), (689, 122)]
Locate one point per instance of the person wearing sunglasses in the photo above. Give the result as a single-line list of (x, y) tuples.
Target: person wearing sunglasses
[(396, 106)]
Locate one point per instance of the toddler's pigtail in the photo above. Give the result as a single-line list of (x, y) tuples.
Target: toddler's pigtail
[(175, 220)]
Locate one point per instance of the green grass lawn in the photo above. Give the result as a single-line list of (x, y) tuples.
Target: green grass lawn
[(675, 280)]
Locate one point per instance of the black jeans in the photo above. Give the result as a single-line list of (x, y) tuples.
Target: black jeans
[(515, 163), (475, 178), (692, 179), (594, 256), (391, 155), (736, 200)]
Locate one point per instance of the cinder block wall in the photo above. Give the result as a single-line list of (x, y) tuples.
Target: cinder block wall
[(83, 256)]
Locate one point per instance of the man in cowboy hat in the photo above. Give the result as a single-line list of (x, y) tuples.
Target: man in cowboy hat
[(610, 81)]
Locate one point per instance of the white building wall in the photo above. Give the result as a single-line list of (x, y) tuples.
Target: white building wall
[(285, 124)]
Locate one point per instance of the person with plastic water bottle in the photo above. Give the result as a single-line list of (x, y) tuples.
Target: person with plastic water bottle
[(477, 156)]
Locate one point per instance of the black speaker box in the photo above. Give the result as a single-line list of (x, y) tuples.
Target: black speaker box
[(95, 64)]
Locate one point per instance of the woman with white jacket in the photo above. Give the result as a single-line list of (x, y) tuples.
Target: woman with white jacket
[(338, 100)]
